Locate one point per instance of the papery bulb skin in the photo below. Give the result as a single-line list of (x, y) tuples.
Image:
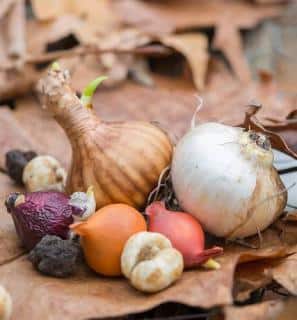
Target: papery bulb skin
[(224, 176), (121, 160)]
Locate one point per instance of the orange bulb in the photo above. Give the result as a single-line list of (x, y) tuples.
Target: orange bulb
[(104, 235)]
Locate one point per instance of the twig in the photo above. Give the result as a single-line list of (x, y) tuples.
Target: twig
[(151, 50), (16, 31)]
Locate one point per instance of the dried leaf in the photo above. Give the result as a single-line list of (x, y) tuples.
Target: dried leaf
[(289, 311), (157, 17), (12, 136), (50, 135), (5, 6), (9, 244), (104, 297), (291, 216), (268, 310), (194, 47), (14, 83), (250, 277), (270, 47), (88, 10), (276, 140), (228, 40), (285, 273)]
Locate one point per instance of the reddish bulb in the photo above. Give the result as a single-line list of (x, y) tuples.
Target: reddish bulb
[(184, 232)]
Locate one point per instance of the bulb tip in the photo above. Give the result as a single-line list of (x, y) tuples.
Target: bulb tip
[(211, 264), (55, 66)]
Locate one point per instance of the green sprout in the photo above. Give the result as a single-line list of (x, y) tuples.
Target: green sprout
[(55, 66), (89, 91)]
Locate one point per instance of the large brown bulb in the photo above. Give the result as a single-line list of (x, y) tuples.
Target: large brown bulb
[(121, 160)]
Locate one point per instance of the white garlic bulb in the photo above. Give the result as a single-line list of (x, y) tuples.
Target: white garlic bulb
[(224, 176), (150, 262)]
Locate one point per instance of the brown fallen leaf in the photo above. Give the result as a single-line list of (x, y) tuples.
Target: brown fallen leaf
[(270, 48), (16, 27), (104, 297), (250, 277), (285, 273), (251, 122), (268, 310), (227, 17), (194, 47), (15, 83), (101, 297), (38, 123), (88, 10), (10, 247), (289, 310), (5, 6), (12, 136), (291, 216)]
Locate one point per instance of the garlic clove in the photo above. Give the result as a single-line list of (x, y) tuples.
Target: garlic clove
[(159, 273), (44, 173), (83, 203), (141, 246), (5, 304), (150, 262)]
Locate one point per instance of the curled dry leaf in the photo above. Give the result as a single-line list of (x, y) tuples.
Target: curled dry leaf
[(250, 277), (276, 140), (194, 47), (285, 273), (157, 17), (268, 310)]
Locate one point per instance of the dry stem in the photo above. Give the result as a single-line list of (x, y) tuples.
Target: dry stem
[(151, 50)]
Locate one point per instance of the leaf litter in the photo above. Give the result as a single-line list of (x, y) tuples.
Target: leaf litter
[(171, 101)]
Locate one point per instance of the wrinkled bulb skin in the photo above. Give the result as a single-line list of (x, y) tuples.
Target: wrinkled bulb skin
[(184, 232), (38, 214), (150, 262), (44, 173), (224, 176)]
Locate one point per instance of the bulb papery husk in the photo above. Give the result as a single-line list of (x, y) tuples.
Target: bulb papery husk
[(121, 160), (225, 177)]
